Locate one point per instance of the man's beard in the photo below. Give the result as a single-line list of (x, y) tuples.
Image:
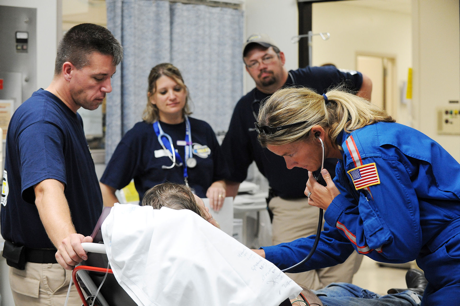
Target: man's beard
[(268, 81)]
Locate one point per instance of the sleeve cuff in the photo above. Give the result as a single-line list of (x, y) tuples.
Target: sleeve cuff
[(272, 254), (335, 210)]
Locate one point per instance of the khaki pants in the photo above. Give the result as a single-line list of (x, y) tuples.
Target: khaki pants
[(294, 219), (42, 285)]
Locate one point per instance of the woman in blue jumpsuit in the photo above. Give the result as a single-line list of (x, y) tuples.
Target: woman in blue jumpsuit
[(167, 146), (395, 197)]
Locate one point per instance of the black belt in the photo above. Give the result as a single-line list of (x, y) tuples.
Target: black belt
[(17, 255), (41, 255)]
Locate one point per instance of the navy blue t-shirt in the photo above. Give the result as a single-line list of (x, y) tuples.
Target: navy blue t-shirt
[(241, 146), (46, 141), (139, 156)]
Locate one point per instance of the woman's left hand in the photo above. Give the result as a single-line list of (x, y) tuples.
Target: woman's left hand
[(216, 194), (321, 196)]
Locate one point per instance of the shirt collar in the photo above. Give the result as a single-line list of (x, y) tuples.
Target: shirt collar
[(341, 138)]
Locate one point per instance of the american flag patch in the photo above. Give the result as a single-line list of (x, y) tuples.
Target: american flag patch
[(364, 176)]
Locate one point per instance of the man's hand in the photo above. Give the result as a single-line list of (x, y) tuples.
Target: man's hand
[(321, 196), (70, 251)]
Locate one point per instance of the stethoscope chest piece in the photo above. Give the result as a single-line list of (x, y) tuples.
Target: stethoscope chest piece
[(191, 162)]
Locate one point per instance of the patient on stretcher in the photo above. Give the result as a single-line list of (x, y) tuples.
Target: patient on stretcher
[(169, 256), (178, 197)]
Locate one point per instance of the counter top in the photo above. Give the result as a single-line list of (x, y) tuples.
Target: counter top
[(250, 202)]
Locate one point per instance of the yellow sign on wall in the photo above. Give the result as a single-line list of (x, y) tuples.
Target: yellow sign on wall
[(410, 84)]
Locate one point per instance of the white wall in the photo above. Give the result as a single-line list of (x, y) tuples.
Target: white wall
[(48, 20), (279, 20), (358, 30), (436, 61)]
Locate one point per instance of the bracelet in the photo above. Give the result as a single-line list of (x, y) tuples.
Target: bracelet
[(298, 301), (304, 299)]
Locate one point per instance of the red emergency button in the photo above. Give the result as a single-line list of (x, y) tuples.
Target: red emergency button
[(1, 84)]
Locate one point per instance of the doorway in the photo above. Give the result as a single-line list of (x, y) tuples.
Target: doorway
[(381, 71)]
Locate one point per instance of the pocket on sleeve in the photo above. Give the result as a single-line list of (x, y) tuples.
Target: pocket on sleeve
[(452, 248), (375, 233)]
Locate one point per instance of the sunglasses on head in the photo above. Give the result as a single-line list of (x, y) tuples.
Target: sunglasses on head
[(271, 130)]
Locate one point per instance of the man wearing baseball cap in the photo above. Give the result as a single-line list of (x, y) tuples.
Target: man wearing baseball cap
[(293, 218)]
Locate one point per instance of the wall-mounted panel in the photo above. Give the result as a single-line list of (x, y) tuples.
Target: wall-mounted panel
[(18, 52)]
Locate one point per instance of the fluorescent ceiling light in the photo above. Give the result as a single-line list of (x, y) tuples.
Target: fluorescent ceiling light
[(228, 1)]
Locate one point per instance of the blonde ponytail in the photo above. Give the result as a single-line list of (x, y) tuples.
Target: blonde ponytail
[(340, 111)]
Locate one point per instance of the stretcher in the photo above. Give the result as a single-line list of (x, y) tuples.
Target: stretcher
[(102, 285), (93, 278), (95, 272), (96, 284)]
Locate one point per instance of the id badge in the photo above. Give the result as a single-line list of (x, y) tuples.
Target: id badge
[(203, 151), (161, 153), (5, 189)]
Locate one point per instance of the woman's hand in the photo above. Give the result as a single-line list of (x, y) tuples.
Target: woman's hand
[(320, 196), (216, 194)]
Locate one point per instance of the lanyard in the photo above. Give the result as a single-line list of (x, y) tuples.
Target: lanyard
[(167, 145)]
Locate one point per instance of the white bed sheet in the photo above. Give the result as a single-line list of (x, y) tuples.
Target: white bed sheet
[(174, 257)]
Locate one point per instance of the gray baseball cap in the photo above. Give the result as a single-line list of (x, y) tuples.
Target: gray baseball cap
[(260, 39)]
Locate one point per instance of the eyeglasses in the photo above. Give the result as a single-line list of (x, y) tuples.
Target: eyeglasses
[(267, 59), (271, 130)]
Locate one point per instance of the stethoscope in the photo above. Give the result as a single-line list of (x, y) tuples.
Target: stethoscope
[(319, 225), (173, 154), (320, 222)]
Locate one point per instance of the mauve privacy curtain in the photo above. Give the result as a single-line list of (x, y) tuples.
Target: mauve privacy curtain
[(203, 42)]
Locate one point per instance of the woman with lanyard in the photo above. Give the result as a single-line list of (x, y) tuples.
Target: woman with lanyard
[(167, 146), (395, 197)]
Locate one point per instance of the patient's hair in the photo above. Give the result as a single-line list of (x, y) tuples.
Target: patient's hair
[(172, 195)]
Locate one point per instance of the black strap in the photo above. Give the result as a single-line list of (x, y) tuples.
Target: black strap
[(41, 255)]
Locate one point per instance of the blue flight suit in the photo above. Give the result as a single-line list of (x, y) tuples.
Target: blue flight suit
[(399, 201)]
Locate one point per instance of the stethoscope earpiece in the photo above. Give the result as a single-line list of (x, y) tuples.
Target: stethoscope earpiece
[(323, 156)]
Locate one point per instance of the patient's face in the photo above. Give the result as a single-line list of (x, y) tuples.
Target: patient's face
[(205, 211)]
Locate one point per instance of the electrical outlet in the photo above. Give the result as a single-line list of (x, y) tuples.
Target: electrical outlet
[(448, 120)]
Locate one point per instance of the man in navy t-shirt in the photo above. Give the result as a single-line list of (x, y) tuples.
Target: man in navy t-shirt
[(292, 216), (51, 199)]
